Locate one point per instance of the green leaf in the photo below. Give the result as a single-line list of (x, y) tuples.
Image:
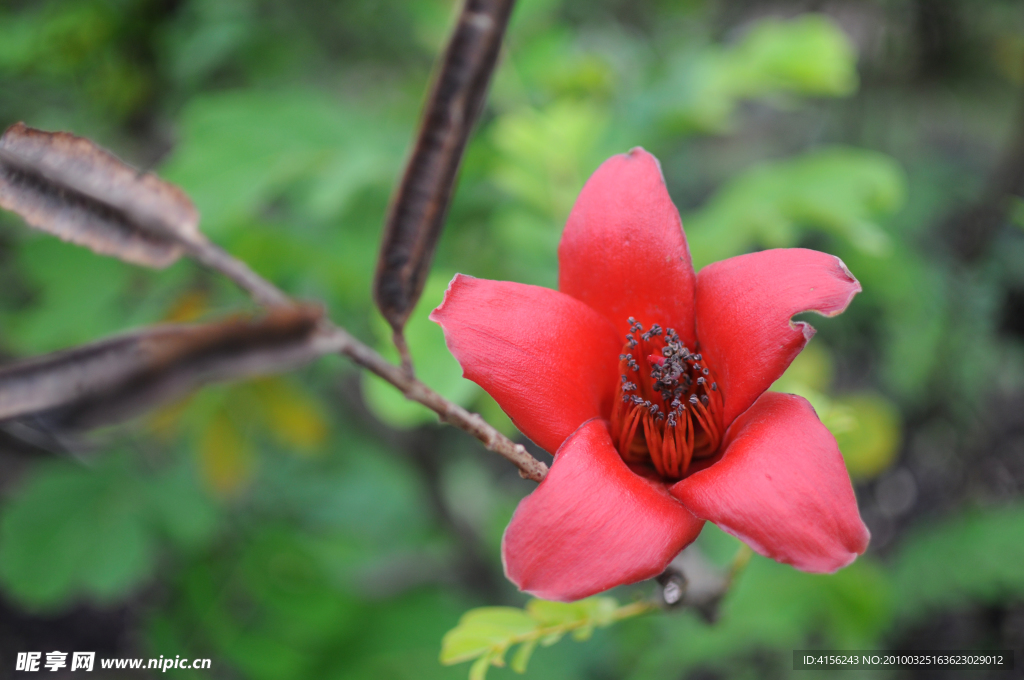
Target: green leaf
[(842, 191), (72, 531), (488, 631), (522, 656), (600, 610), (240, 150), (915, 300), (809, 56), (812, 368), (79, 296), (547, 154), (478, 671), (1017, 211), (486, 634), (871, 440), (181, 509), (553, 638), (511, 619), (973, 557)]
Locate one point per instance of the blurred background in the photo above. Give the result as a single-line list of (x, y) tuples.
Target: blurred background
[(316, 525)]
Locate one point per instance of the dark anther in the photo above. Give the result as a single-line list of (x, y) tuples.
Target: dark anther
[(693, 399), (705, 371), (714, 386), (701, 381), (704, 399)]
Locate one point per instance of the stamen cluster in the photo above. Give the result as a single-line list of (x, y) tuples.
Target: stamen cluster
[(669, 410)]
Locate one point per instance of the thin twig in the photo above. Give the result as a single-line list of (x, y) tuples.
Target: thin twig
[(337, 339), (451, 413), (403, 352), (215, 257)]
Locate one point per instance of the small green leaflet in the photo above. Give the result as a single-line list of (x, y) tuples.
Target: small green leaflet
[(487, 633)]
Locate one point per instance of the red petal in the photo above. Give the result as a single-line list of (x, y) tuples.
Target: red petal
[(623, 251), (550, 361), (744, 307), (593, 524), (781, 487)]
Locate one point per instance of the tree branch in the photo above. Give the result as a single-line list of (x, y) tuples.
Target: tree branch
[(340, 340), (448, 412), (216, 258)]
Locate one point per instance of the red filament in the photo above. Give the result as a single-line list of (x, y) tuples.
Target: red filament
[(669, 409)]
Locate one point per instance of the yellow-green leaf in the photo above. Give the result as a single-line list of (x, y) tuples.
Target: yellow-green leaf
[(522, 655), (488, 630)]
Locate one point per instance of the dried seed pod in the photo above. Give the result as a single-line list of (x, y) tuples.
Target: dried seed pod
[(70, 187), (421, 201), (117, 378)]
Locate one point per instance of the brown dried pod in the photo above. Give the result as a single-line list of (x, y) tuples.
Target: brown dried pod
[(72, 188), (117, 378), (420, 204)]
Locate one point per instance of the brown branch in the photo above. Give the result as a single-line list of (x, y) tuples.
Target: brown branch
[(337, 339), (216, 258), (451, 413)]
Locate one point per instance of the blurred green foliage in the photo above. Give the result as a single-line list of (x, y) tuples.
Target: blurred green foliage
[(485, 635), (318, 526), (93, 533)]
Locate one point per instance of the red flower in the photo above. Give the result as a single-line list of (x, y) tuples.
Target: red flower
[(648, 384)]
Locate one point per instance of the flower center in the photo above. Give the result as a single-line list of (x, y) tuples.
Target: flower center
[(669, 409)]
